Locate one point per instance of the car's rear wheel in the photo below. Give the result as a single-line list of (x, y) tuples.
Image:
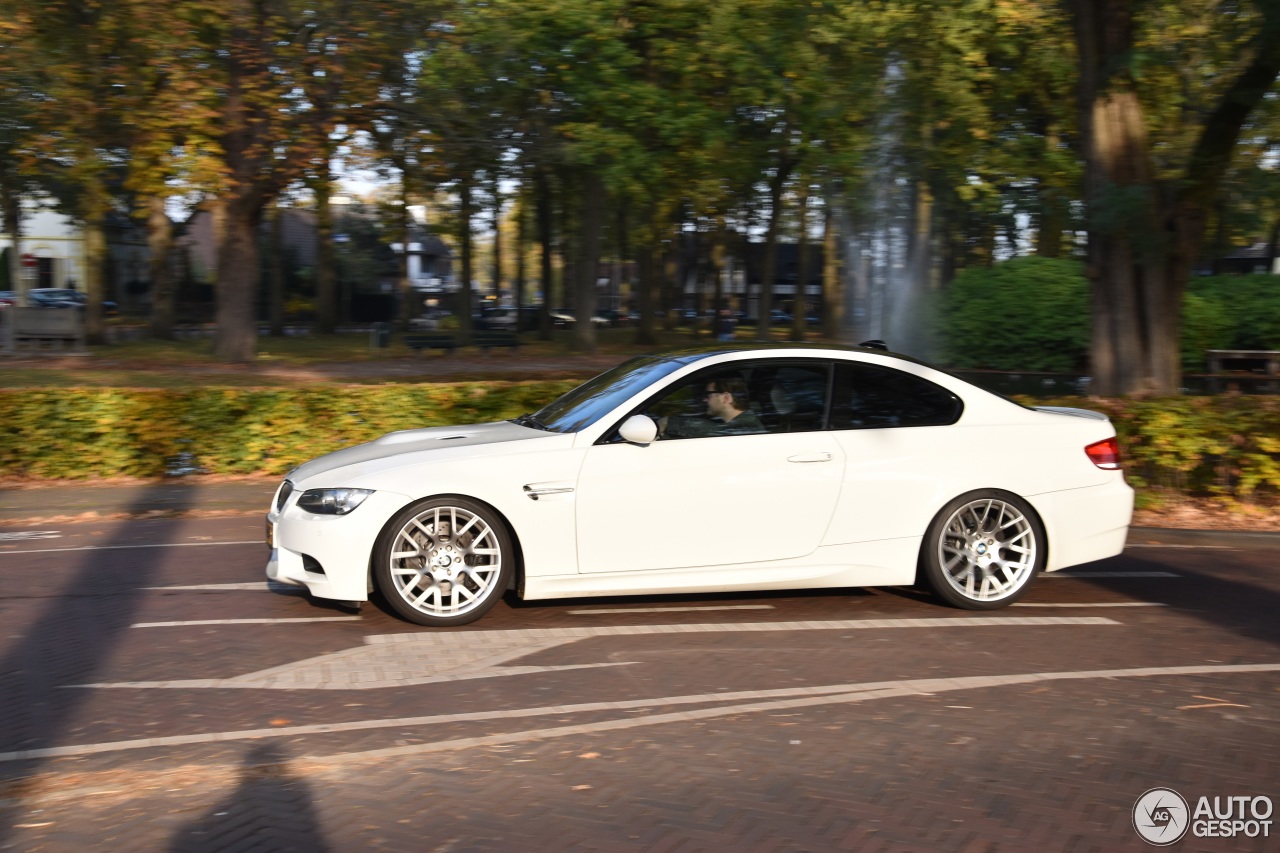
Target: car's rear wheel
[(444, 561), (982, 550)]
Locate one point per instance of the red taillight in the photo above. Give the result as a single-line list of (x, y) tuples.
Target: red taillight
[(1105, 453)]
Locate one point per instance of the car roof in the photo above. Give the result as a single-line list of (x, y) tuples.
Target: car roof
[(690, 354)]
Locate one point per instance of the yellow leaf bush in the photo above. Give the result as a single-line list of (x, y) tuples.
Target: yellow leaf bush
[(83, 433)]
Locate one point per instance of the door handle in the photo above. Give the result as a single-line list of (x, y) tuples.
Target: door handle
[(822, 456)]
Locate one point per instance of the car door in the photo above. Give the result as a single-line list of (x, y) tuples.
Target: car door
[(903, 453), (716, 500)]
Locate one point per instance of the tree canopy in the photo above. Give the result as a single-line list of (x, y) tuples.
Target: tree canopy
[(920, 139)]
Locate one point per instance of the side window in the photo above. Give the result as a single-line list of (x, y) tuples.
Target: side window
[(867, 396), (714, 403), (792, 397)]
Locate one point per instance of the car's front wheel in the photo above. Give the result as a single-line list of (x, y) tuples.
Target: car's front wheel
[(982, 550), (444, 561)]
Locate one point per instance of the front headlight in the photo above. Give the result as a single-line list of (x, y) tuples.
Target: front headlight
[(332, 501)]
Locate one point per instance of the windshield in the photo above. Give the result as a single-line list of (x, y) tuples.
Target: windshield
[(595, 398)]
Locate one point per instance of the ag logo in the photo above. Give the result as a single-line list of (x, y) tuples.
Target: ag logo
[(1161, 816)]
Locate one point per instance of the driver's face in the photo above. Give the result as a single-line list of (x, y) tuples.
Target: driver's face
[(715, 400)]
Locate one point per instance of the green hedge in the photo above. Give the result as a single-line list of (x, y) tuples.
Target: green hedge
[(81, 433), (1032, 314), (1027, 313), (1222, 447), (1245, 310)]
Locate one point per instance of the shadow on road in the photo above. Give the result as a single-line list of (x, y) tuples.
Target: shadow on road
[(1245, 607), (270, 809), (77, 632)]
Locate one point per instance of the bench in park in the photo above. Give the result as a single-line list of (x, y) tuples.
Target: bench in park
[(1221, 360), (1228, 368), (485, 340)]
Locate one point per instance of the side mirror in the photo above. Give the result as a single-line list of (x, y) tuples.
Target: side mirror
[(638, 429)]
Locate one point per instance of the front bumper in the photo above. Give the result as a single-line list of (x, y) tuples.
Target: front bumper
[(328, 554)]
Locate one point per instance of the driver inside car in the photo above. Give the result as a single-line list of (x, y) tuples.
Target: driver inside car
[(727, 412)]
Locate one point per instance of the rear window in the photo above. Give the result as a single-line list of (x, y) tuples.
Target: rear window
[(866, 396)]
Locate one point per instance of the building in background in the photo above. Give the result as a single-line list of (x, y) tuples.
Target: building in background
[(53, 255)]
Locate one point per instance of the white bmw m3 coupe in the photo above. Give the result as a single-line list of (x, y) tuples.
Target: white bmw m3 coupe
[(711, 469)]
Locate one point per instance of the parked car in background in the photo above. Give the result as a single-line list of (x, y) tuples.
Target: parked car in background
[(497, 319), (55, 297), (66, 297), (618, 318), (564, 318), (7, 299), (850, 466)]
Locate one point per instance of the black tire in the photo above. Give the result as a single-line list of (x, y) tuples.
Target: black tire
[(444, 561), (982, 550)]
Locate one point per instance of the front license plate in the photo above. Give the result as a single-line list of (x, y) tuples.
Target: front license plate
[(271, 534)]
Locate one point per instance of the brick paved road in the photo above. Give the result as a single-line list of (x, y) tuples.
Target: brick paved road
[(857, 720)]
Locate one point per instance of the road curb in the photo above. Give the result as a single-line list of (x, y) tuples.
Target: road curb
[(1203, 538)]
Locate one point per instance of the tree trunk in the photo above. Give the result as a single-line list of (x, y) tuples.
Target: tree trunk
[(13, 224), (160, 244), (409, 302), (670, 272), (1051, 224), (1129, 291), (584, 330), (832, 302), (497, 242), (690, 270), (1053, 211), (800, 307), (95, 267), (769, 275), (464, 242), (645, 267), (522, 245), (542, 186), (275, 271), (907, 328), (719, 311), (326, 281), (251, 180), (236, 337)]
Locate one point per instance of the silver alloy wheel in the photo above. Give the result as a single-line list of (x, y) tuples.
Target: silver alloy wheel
[(987, 550), (446, 561)]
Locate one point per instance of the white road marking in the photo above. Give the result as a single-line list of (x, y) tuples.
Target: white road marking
[(402, 660), (1110, 575), (127, 547), (23, 535), (244, 621), (756, 701), (1158, 545), (607, 612), (1091, 604)]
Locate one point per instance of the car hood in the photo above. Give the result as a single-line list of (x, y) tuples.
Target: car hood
[(414, 445)]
